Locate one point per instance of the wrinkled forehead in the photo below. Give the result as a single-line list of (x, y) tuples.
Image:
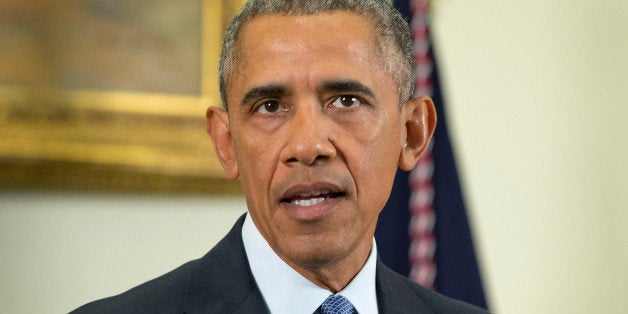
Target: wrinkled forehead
[(319, 38), (331, 27), (309, 35), (301, 26)]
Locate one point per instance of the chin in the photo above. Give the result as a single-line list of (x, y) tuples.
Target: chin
[(319, 253)]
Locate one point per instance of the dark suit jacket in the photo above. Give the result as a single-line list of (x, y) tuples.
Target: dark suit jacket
[(221, 282)]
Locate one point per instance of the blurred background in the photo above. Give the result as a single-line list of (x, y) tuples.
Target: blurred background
[(108, 179)]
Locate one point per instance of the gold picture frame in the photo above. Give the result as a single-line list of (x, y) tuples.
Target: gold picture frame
[(73, 114)]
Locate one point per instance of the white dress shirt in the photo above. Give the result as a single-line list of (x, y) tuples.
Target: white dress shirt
[(287, 291)]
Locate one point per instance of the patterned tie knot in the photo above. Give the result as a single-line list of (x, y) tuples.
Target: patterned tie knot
[(337, 304)]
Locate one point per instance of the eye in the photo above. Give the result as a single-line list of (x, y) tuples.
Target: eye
[(346, 101), (269, 106)]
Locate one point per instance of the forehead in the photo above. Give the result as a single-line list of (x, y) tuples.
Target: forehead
[(320, 21), (285, 47), (308, 34)]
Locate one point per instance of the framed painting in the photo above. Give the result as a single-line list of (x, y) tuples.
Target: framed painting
[(110, 95)]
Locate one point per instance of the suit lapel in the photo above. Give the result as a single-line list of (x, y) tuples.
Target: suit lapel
[(222, 282), (393, 293)]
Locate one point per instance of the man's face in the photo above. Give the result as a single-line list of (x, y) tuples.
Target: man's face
[(316, 131)]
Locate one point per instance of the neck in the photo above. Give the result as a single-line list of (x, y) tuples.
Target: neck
[(336, 275)]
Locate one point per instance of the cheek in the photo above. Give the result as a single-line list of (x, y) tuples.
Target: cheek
[(258, 158), (380, 142), (378, 165), (374, 165), (254, 158)]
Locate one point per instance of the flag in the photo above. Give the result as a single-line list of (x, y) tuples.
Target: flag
[(426, 205)]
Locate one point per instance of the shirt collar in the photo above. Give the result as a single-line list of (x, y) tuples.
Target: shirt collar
[(287, 291)]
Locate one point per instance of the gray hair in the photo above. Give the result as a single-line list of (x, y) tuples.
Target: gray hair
[(392, 35)]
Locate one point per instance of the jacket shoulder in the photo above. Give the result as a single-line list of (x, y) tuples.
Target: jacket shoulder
[(440, 303), (401, 295)]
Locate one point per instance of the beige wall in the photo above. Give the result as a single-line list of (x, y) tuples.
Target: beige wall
[(61, 250), (537, 95), (536, 100)]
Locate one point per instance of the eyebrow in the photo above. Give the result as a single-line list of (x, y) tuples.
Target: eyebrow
[(277, 90), (265, 91), (346, 86)]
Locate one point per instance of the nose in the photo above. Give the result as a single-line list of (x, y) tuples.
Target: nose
[(308, 137)]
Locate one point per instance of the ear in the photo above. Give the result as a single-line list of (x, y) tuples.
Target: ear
[(419, 115), (218, 130)]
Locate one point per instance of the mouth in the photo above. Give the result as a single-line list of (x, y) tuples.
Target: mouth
[(311, 198), (309, 202)]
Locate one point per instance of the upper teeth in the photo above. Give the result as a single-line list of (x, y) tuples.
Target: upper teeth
[(311, 201), (308, 202)]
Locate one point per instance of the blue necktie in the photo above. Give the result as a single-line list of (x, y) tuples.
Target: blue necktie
[(336, 304)]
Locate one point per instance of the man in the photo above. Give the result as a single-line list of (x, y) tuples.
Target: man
[(317, 117)]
